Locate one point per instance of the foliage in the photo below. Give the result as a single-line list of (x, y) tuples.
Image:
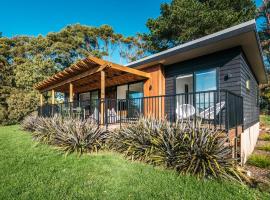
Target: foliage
[(264, 136), (264, 147), (263, 12), (20, 104), (201, 152), (26, 60), (29, 122), (67, 134), (185, 20), (39, 172), (265, 120), (80, 136), (259, 160), (45, 129)]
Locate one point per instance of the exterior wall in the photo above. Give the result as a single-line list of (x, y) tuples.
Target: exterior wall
[(250, 97), (248, 141), (155, 86), (232, 71)]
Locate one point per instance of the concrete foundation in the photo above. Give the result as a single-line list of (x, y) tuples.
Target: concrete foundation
[(248, 141)]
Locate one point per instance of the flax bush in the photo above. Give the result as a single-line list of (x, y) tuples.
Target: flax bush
[(80, 136), (67, 134), (29, 122), (198, 151)]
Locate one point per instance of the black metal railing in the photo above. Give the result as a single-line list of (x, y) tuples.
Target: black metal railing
[(221, 109)]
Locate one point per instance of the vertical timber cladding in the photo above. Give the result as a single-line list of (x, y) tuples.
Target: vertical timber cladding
[(153, 87)]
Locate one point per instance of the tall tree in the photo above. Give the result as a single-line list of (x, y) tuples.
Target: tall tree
[(263, 12), (185, 20)]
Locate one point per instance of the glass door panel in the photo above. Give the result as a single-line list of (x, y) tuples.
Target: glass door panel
[(206, 82), (135, 94)]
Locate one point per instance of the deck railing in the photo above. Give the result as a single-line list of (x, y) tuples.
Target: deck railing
[(221, 109)]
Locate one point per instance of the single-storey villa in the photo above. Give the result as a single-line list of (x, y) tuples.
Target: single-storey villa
[(212, 81)]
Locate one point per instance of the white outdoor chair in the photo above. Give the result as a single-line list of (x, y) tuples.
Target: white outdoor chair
[(111, 114), (210, 112), (184, 111)]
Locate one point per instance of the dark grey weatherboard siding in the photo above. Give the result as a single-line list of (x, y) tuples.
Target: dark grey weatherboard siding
[(251, 106), (230, 62)]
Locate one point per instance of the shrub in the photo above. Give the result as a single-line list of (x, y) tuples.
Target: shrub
[(259, 160), (29, 122), (264, 136), (264, 147), (46, 129), (20, 104), (197, 151), (69, 134), (80, 136)]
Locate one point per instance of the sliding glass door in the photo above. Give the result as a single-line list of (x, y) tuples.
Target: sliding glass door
[(202, 83), (134, 92), (206, 81)]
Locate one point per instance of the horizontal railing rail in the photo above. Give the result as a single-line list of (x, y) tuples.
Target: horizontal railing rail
[(216, 108)]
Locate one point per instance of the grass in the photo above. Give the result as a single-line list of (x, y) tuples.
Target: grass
[(265, 147), (259, 160), (265, 119), (31, 171), (264, 136)]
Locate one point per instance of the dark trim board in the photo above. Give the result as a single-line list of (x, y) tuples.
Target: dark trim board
[(230, 63)]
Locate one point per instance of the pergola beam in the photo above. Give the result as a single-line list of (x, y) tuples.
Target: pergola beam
[(77, 77)]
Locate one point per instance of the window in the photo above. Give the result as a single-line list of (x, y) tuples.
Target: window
[(248, 84), (122, 91), (206, 80), (130, 91), (135, 90)]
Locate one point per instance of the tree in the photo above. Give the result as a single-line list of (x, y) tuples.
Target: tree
[(185, 20), (264, 34)]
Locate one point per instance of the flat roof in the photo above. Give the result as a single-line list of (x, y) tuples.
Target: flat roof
[(244, 35)]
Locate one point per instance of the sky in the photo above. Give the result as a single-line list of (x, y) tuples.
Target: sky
[(32, 17)]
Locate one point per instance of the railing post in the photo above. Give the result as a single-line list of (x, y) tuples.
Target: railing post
[(215, 112), (106, 112), (227, 126)]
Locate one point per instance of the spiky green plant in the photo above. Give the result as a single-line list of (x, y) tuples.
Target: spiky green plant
[(46, 129), (201, 152), (70, 134), (80, 136), (29, 122)]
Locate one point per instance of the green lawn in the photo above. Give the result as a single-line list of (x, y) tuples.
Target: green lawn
[(265, 119), (31, 171)]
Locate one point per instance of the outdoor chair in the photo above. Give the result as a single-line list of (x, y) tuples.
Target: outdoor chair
[(209, 113), (184, 111)]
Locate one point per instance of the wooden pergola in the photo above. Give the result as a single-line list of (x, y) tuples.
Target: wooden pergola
[(89, 74)]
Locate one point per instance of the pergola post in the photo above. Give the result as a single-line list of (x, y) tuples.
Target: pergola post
[(71, 94), (41, 104), (41, 99), (53, 96), (53, 100), (102, 95)]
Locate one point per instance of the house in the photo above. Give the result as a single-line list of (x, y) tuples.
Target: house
[(212, 80)]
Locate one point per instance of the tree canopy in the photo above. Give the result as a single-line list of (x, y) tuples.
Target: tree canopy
[(185, 20)]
